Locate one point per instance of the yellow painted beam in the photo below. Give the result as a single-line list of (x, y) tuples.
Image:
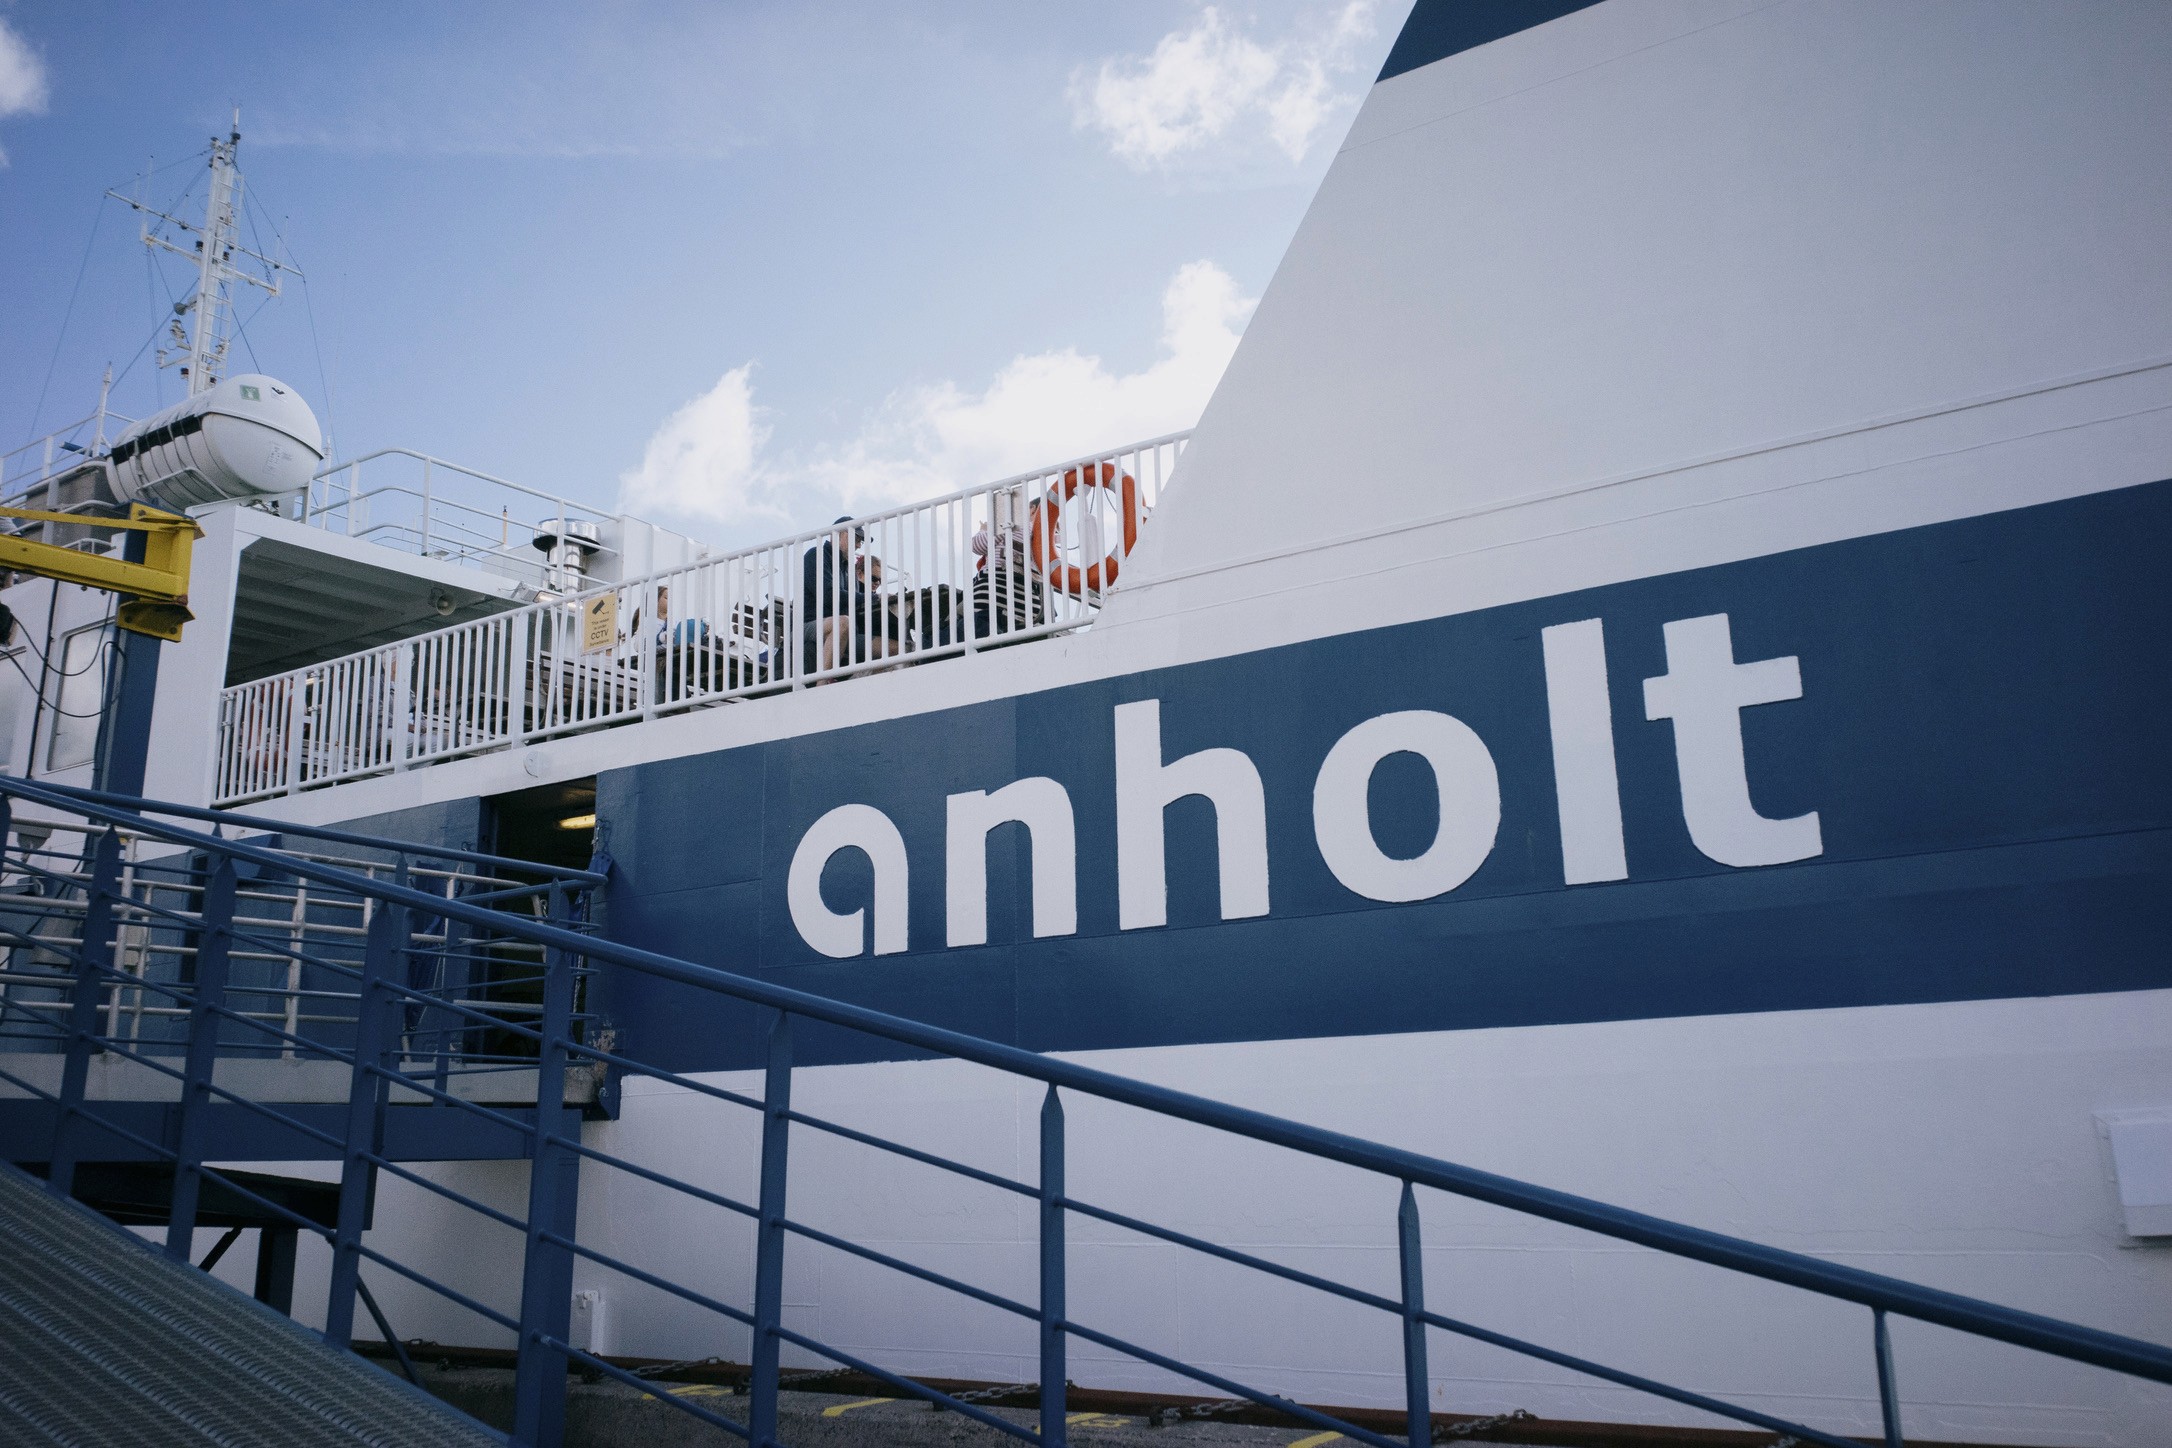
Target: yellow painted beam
[(92, 570), (155, 591)]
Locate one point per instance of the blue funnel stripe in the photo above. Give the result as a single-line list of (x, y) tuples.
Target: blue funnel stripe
[(1438, 29)]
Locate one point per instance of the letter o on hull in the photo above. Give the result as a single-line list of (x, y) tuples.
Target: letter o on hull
[(1470, 806)]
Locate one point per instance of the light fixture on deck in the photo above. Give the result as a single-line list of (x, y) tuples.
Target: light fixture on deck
[(578, 822)]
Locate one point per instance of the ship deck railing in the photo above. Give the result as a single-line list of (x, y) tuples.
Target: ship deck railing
[(1003, 563), (26, 470), (433, 508)]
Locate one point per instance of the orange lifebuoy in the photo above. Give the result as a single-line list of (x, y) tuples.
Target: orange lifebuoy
[(1094, 576)]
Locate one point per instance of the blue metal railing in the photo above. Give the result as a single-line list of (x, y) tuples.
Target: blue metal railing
[(553, 1141), (148, 896)]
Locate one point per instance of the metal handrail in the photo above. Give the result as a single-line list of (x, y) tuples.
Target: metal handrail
[(543, 1339), (291, 939), (976, 568), (329, 469), (14, 481), (318, 832)]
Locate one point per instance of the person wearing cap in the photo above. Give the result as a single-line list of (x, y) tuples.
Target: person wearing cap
[(833, 598)]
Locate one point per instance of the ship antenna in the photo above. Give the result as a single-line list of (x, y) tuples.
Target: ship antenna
[(201, 352)]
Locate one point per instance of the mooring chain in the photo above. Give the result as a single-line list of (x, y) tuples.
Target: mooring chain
[(1161, 1417), (739, 1389), (657, 1370), (989, 1395), (1476, 1426)]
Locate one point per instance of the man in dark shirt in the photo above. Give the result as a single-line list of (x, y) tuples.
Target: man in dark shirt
[(833, 599)]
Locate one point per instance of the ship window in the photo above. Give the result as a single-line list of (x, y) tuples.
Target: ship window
[(75, 695)]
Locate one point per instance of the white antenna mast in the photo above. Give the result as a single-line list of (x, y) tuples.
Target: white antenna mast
[(201, 351)]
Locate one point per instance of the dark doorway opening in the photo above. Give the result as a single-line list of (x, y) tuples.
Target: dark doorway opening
[(552, 824)]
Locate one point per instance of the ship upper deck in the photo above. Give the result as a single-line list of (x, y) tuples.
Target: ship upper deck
[(584, 622)]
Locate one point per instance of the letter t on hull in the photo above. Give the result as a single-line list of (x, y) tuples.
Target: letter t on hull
[(1704, 692)]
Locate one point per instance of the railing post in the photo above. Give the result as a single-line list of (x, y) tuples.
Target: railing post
[(769, 1239), (520, 671), (297, 692), (644, 653), (546, 1296), (406, 721), (213, 946), (794, 654), (92, 956), (1888, 1392), (1053, 1373), (388, 938), (1417, 1383), (426, 501)]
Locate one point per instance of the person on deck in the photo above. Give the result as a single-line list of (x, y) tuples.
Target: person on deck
[(833, 597), (1007, 592), (876, 626)]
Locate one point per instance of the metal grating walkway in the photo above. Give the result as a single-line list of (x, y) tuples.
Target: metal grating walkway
[(108, 1342)]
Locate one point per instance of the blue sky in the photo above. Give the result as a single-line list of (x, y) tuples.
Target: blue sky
[(738, 266)]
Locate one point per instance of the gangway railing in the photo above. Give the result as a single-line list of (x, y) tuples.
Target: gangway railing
[(542, 1327), (985, 567), (63, 880)]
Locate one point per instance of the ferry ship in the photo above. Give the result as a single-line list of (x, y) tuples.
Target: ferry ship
[(1648, 678)]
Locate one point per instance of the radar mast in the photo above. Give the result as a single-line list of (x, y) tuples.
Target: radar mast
[(201, 351)]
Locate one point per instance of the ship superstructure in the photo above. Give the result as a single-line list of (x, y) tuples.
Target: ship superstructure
[(1644, 679)]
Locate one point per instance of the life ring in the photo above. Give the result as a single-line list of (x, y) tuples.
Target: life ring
[(1094, 577)]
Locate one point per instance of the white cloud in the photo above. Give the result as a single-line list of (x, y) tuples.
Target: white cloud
[(22, 78), (1200, 86), (707, 463), (1189, 90), (703, 463)]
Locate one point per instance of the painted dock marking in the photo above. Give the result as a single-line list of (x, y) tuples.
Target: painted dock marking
[(693, 1390), (840, 1409), (1316, 1440)]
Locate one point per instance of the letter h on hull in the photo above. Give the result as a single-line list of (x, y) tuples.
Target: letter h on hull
[(1146, 787)]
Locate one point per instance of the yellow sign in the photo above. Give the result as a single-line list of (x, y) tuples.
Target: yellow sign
[(599, 622)]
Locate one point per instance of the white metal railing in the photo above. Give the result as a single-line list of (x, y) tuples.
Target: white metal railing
[(984, 567), (41, 459), (425, 505)]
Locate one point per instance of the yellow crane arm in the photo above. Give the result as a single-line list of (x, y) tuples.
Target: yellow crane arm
[(154, 593)]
